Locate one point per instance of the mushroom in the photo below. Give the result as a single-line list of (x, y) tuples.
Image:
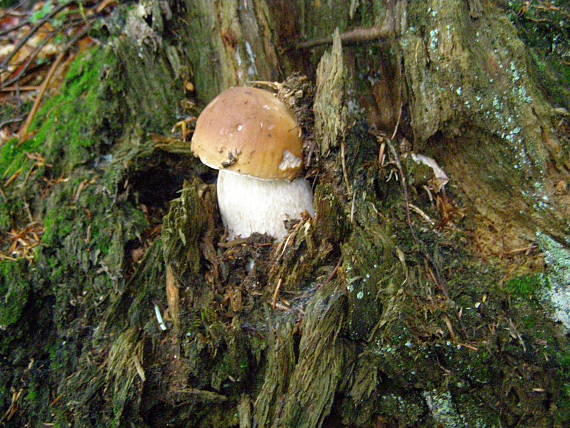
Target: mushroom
[(254, 141)]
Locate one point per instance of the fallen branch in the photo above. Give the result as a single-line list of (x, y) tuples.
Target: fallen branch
[(24, 130), (358, 35), (19, 88)]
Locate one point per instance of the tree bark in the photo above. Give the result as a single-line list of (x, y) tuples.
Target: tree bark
[(429, 289)]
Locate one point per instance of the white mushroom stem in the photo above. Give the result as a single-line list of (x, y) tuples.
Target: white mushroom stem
[(249, 204)]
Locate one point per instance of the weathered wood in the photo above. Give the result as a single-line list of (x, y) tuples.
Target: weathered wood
[(330, 104), (380, 311)]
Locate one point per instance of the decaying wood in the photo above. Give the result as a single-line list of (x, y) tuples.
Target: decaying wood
[(367, 314), (330, 107)]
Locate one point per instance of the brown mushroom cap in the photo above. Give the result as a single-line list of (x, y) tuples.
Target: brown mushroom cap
[(251, 132)]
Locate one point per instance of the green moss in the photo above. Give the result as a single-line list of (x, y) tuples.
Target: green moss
[(89, 249), (72, 128), (526, 286), (13, 157), (369, 264), (546, 32), (84, 124), (32, 394), (77, 111), (408, 409), (231, 369), (57, 220), (82, 273), (413, 334), (80, 266), (14, 292), (7, 211)]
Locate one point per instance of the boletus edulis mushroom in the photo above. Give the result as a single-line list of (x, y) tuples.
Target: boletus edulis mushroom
[(254, 141)]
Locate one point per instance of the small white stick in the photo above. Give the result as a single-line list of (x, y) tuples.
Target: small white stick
[(159, 318)]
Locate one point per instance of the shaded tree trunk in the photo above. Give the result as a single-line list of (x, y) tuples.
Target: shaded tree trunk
[(429, 289)]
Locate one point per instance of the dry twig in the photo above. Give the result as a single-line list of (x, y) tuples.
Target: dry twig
[(358, 35), (24, 130)]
